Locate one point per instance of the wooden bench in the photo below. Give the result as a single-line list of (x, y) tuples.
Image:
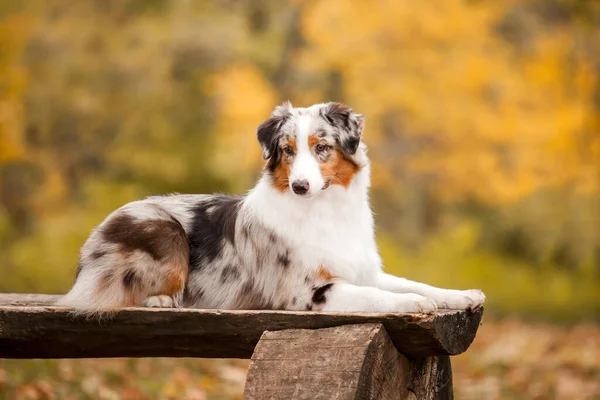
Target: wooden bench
[(295, 355)]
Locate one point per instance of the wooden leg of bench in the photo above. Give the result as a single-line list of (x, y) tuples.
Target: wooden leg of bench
[(345, 362), (431, 378)]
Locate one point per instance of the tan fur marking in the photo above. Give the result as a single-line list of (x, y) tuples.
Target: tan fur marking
[(324, 274), (338, 169), (292, 143), (177, 272), (312, 140), (174, 279), (132, 299), (281, 176)]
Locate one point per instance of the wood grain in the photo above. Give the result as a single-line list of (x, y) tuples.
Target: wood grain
[(431, 378), (30, 327), (347, 362)]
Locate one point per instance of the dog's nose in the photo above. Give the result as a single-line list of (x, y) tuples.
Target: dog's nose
[(300, 187)]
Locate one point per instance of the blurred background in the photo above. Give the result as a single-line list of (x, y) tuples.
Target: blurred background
[(483, 126)]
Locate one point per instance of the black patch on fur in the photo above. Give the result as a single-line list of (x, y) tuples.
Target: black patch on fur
[(284, 259), (192, 297), (319, 294), (230, 272), (130, 279), (250, 298), (272, 237), (157, 237), (268, 136), (350, 145), (262, 255), (210, 229), (309, 307), (348, 125)]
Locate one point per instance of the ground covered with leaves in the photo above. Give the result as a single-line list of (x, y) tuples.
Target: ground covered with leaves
[(514, 359), (510, 359)]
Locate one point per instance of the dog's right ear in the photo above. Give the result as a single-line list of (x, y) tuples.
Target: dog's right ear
[(268, 131), (348, 124)]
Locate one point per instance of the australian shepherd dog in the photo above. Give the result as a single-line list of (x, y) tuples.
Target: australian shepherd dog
[(301, 239)]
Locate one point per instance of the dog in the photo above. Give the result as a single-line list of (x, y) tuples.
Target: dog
[(302, 239)]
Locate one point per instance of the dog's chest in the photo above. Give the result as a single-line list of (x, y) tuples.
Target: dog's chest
[(333, 231), (340, 241)]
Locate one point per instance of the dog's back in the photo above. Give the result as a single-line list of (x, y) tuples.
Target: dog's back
[(203, 251)]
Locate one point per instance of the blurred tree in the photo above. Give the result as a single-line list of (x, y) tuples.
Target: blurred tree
[(457, 113), (17, 175)]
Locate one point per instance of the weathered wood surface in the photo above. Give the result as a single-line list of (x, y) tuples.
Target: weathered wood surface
[(30, 327), (347, 362), (431, 378)]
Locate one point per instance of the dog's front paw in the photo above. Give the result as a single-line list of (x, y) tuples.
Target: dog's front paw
[(471, 299), (414, 303), (161, 301)]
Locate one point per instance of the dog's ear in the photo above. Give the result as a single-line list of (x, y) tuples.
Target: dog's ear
[(348, 124), (268, 131)]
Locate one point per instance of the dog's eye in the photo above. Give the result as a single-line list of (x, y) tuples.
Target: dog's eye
[(288, 150), (321, 148)]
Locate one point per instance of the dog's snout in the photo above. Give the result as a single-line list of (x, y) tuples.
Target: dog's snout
[(300, 186)]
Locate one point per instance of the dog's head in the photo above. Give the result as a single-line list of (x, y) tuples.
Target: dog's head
[(309, 149)]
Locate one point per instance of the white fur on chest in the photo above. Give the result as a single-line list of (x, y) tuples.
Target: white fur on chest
[(333, 230)]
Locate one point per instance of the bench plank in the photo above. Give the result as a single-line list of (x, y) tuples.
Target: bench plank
[(30, 327)]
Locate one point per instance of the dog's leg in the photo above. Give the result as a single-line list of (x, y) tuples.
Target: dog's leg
[(345, 297), (445, 298)]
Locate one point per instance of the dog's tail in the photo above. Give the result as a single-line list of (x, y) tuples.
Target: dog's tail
[(94, 294)]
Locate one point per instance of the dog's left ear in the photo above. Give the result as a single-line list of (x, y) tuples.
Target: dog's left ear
[(349, 125), (268, 131)]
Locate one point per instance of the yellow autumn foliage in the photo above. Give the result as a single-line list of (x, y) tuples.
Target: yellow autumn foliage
[(483, 127)]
